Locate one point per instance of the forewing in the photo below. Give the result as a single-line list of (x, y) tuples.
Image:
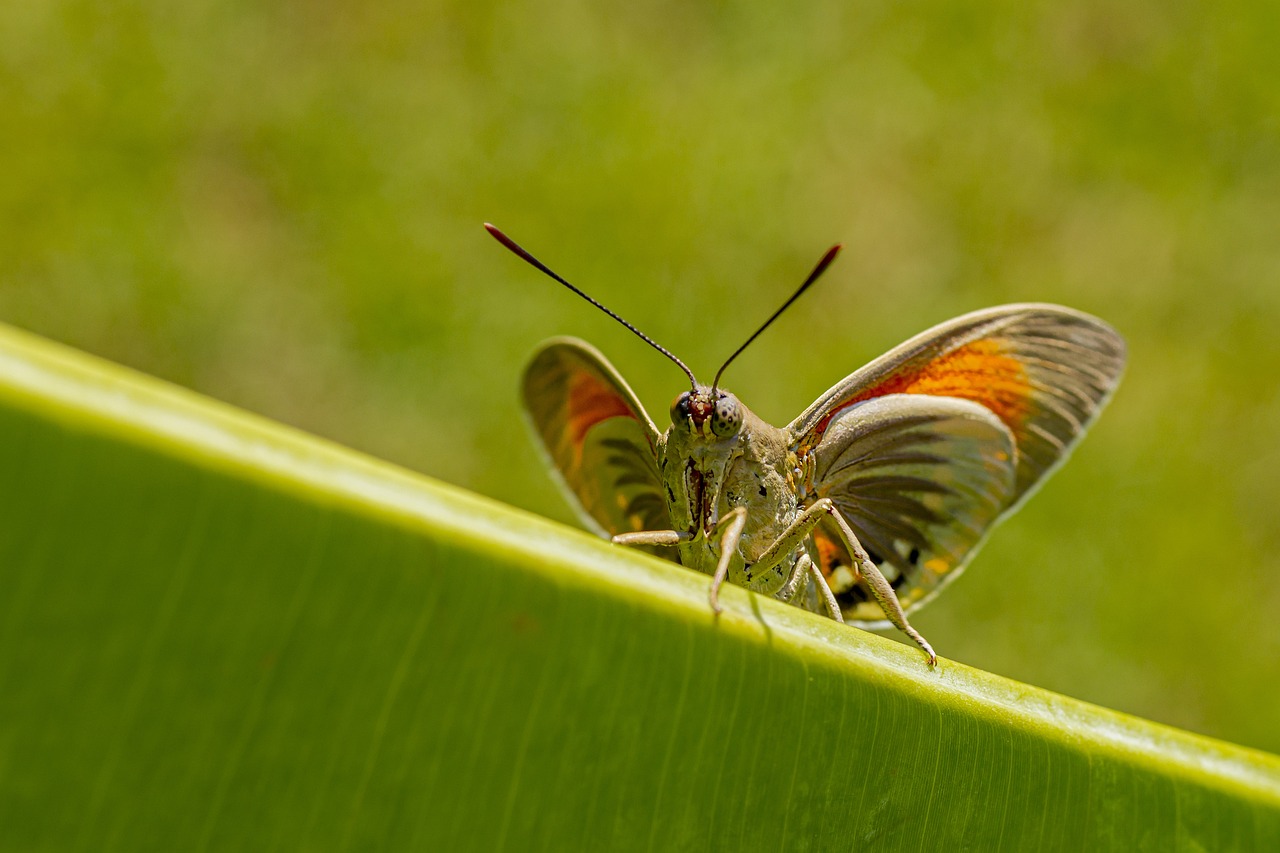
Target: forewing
[(600, 443), (1044, 370), (920, 481)]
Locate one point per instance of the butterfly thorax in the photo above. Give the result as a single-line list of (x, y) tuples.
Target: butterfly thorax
[(709, 472)]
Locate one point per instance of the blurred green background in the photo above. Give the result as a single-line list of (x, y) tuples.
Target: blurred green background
[(279, 204)]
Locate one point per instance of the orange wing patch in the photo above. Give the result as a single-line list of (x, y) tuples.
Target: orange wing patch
[(980, 371), (591, 401)]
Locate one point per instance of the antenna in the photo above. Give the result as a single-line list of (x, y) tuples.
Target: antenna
[(813, 276), (519, 252)]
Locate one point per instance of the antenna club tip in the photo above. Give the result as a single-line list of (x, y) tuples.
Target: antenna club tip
[(512, 245)]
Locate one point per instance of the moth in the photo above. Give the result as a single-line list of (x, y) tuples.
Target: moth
[(869, 502)]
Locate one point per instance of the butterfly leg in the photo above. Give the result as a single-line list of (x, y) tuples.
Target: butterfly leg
[(800, 529), (652, 537), (805, 566), (824, 589), (798, 572), (880, 587), (732, 524)]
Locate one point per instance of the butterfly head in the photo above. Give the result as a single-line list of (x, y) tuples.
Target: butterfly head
[(708, 412)]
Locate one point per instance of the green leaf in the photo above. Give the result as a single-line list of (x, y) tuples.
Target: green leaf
[(218, 633)]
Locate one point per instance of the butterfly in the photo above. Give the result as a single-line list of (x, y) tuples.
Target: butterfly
[(866, 505)]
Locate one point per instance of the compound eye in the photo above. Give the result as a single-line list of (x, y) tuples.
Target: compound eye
[(680, 410), (726, 420)]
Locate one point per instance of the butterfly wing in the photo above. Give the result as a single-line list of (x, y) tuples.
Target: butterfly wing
[(598, 439), (1043, 371)]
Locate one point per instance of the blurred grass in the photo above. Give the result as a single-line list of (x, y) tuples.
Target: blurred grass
[(278, 204)]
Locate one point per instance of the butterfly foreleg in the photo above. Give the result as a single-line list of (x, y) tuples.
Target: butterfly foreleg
[(730, 529), (652, 537)]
